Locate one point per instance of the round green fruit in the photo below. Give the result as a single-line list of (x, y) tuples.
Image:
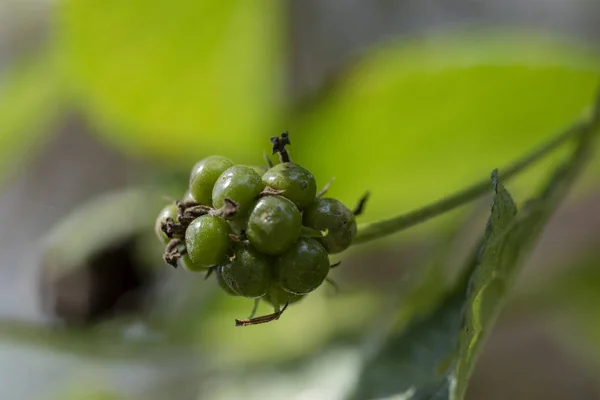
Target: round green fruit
[(331, 215), (248, 273), (207, 240), (240, 183), (169, 211), (222, 283), (303, 268), (186, 262), (273, 225), (239, 225), (259, 170), (296, 182), (277, 297), (187, 197), (204, 175)]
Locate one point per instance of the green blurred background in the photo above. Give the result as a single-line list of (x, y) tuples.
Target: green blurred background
[(106, 105)]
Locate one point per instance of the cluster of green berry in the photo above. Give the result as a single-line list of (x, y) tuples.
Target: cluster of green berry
[(265, 233)]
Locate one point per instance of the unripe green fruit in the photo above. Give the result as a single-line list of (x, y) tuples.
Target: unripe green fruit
[(207, 240), (277, 297), (259, 170), (297, 183), (186, 262), (331, 215), (249, 273), (169, 211), (222, 283), (187, 197), (274, 225), (240, 183), (302, 268), (238, 225), (204, 175)]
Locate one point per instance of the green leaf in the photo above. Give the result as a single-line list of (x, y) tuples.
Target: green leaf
[(89, 393), (109, 342), (413, 121), (433, 357), (414, 361), (327, 316), (176, 80), (30, 102), (380, 229), (494, 277)]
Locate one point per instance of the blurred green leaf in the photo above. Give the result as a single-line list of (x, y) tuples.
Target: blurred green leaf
[(87, 395), (110, 342), (433, 358), (177, 80), (414, 121), (415, 361), (324, 316), (30, 101), (324, 374), (380, 229)]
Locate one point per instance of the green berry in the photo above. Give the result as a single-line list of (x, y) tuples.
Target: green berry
[(186, 262), (188, 196), (204, 175), (170, 211), (238, 225), (273, 225), (222, 283), (297, 183), (248, 273), (240, 183), (277, 297), (331, 215), (207, 240), (303, 268), (259, 170)]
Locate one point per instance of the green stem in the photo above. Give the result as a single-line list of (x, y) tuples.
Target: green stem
[(376, 230)]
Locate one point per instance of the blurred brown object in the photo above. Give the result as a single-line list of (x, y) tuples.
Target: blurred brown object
[(109, 284), (69, 170), (523, 361)]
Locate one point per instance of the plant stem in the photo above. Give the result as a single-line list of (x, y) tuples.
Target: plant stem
[(376, 230)]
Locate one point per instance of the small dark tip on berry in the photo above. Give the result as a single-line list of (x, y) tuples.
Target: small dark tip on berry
[(360, 207), (171, 259), (275, 143), (269, 191), (333, 284), (172, 254), (171, 229), (268, 160), (237, 238), (279, 144), (285, 138), (209, 272), (229, 209)]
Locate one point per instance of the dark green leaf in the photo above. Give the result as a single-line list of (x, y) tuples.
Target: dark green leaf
[(495, 273), (434, 356)]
